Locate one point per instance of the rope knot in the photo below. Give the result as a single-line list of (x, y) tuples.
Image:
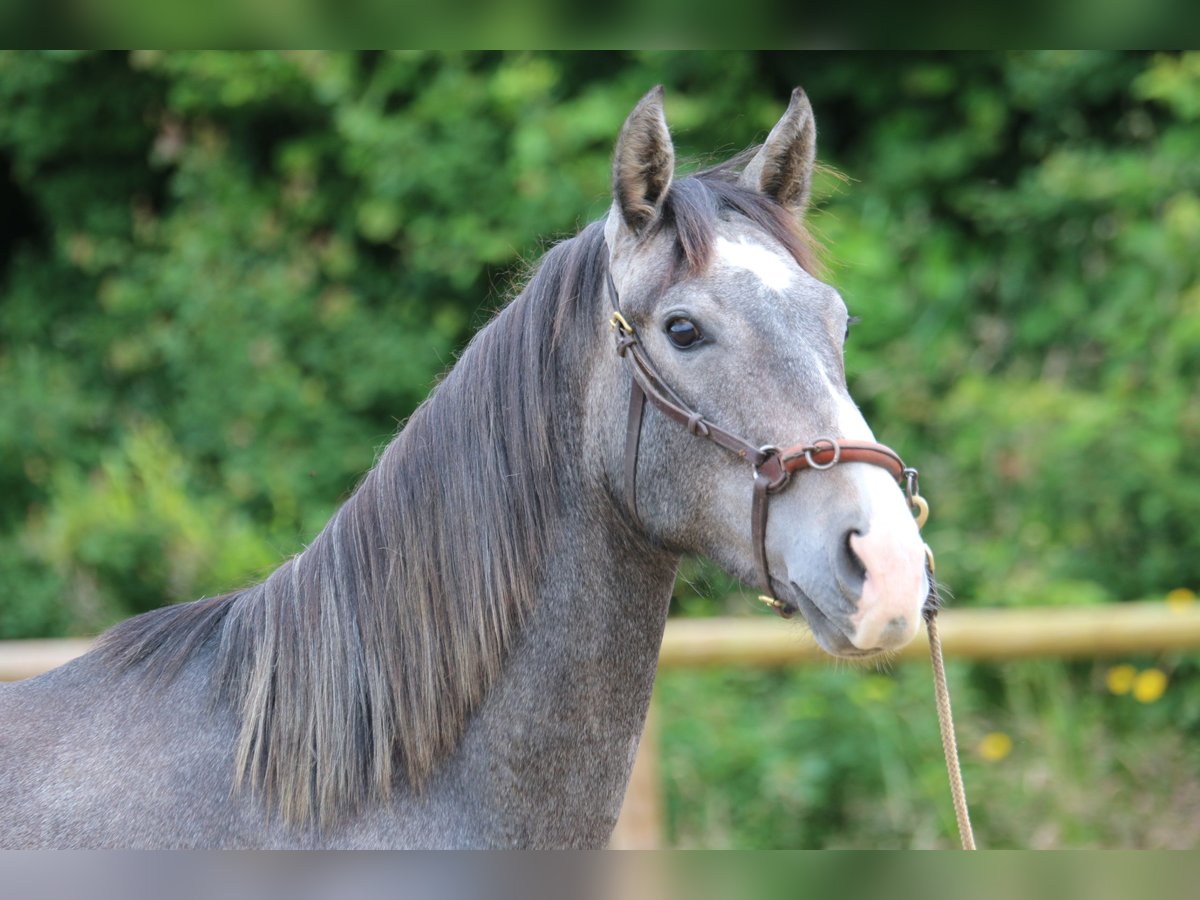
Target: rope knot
[(695, 425)]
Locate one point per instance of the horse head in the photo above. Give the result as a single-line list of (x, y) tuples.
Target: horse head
[(712, 279)]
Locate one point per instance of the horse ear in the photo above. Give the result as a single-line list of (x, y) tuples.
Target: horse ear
[(643, 163), (783, 168)]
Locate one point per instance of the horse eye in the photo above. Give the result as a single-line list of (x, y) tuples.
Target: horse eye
[(850, 323), (683, 332)]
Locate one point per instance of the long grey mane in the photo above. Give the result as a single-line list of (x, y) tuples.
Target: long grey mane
[(358, 662)]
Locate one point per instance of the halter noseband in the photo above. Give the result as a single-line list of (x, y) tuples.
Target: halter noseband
[(773, 466)]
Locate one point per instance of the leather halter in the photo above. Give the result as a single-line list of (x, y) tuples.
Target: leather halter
[(773, 466)]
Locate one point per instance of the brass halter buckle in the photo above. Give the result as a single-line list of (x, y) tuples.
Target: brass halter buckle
[(920, 508), (617, 323)]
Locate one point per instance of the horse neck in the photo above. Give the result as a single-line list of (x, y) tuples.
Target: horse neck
[(550, 750)]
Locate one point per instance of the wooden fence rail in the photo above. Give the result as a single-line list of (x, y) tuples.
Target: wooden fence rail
[(24, 659), (1061, 632), (762, 642)]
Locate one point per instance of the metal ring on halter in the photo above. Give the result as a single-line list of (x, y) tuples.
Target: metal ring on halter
[(920, 508), (817, 448)]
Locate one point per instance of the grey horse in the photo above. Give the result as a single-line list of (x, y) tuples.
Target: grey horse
[(463, 657)]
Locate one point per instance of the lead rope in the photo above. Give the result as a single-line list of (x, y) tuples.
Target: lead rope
[(941, 691), (949, 744)]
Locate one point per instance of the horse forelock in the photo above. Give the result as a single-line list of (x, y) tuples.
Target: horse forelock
[(695, 205)]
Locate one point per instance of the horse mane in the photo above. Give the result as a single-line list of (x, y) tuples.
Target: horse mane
[(360, 660)]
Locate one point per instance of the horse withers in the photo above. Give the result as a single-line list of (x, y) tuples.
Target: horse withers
[(463, 657)]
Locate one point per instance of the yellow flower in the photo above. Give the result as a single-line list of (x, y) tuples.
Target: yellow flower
[(1120, 679), (1149, 685), (995, 746), (1180, 599)]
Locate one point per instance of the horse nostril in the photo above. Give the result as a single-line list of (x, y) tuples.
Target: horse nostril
[(854, 562)]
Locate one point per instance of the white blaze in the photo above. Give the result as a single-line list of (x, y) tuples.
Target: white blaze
[(772, 269), (850, 422), (888, 613)]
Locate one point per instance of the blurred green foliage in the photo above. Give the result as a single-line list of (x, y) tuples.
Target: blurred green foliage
[(225, 278), (851, 758)]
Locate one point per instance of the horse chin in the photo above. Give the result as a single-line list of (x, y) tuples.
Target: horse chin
[(828, 635)]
